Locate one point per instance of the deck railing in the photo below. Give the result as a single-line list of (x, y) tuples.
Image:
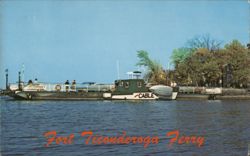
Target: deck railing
[(63, 87)]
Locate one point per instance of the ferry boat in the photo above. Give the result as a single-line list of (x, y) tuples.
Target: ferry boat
[(122, 89)]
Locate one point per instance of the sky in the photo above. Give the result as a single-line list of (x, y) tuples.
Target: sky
[(83, 40)]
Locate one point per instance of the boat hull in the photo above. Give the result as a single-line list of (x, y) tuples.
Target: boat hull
[(23, 95), (45, 95)]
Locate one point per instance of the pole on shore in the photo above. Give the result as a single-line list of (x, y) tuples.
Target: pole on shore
[(7, 79), (248, 45)]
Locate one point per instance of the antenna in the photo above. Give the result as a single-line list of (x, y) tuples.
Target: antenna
[(118, 69), (19, 81)]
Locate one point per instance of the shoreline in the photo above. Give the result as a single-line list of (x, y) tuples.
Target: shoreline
[(233, 97), (212, 97)]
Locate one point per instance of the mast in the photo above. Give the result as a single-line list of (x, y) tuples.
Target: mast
[(118, 69), (23, 67), (19, 81)]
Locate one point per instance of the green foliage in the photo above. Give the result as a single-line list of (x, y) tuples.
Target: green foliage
[(204, 67), (235, 45), (239, 58), (179, 55), (202, 63), (144, 59), (155, 73)]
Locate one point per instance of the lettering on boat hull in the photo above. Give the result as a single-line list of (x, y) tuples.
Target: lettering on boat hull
[(136, 96)]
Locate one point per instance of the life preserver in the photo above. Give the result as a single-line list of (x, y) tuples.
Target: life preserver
[(58, 87)]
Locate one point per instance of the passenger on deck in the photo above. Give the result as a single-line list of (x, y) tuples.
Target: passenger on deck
[(30, 82), (67, 85), (35, 82), (73, 86)]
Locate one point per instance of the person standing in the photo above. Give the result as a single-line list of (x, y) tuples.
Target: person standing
[(73, 87), (67, 85), (30, 82), (35, 82)]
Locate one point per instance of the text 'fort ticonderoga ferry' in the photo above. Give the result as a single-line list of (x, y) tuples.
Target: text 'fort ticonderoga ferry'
[(133, 88)]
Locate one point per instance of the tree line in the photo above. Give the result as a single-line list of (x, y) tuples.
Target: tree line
[(202, 62)]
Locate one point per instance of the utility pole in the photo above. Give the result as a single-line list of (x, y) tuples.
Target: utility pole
[(248, 45), (7, 79)]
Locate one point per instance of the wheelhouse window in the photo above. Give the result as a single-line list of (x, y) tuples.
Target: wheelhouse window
[(126, 84), (116, 83), (121, 84)]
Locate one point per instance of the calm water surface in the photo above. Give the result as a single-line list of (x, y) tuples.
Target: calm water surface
[(224, 124)]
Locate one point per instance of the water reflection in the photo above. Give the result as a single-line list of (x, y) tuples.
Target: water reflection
[(224, 124)]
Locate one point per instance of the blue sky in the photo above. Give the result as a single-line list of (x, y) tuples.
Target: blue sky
[(82, 40)]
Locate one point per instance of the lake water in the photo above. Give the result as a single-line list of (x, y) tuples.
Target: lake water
[(225, 125)]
